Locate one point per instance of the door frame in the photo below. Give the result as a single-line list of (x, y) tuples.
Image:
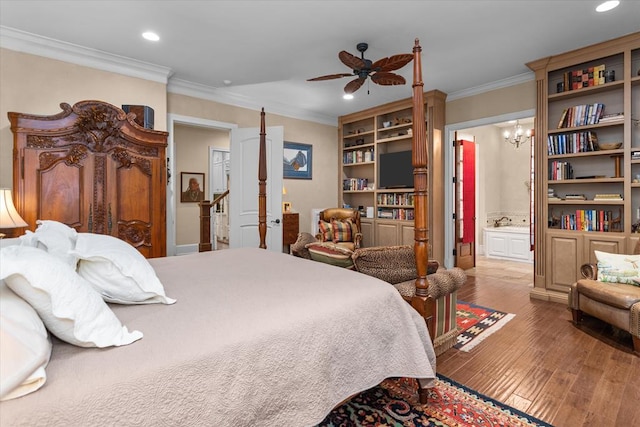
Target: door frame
[(449, 158), (172, 121)]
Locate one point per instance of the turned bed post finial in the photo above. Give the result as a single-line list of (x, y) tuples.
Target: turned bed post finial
[(262, 184), (420, 162)]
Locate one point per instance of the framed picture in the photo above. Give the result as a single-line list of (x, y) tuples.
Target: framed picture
[(191, 187), (286, 206), (297, 160)]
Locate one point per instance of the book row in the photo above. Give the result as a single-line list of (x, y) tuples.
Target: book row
[(575, 142), (588, 220), (396, 199), (404, 214), (358, 156), (355, 184), (581, 115), (560, 170), (587, 77)]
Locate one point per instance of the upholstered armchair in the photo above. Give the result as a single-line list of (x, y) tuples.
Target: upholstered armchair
[(397, 266), (340, 226), (600, 295)]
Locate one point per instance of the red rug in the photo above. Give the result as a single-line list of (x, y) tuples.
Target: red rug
[(395, 403), (476, 323)]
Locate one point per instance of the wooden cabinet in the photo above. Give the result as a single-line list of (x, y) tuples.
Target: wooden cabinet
[(93, 168), (583, 157), (375, 171), (290, 227)]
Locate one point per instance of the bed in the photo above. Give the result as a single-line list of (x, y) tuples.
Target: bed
[(255, 338)]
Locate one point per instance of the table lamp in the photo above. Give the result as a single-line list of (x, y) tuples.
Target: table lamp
[(9, 217)]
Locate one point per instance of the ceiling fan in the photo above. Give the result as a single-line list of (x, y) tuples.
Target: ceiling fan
[(379, 71)]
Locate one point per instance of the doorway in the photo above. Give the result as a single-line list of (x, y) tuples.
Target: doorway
[(173, 181), (491, 188)]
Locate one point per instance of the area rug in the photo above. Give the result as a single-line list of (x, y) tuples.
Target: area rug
[(476, 323), (394, 403)]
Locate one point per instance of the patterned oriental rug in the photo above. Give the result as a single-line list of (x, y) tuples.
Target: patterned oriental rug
[(395, 403), (476, 323)]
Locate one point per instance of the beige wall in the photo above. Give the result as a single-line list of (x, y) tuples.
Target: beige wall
[(37, 85), (319, 192), (506, 100), (192, 155)]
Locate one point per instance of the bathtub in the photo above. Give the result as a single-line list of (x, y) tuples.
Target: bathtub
[(509, 242)]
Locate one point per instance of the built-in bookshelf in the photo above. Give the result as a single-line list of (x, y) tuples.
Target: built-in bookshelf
[(587, 115), (388, 213)]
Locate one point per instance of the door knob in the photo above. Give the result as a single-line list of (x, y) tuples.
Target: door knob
[(277, 220)]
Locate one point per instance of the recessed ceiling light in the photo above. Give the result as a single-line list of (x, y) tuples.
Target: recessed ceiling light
[(607, 5), (151, 36), (347, 96)]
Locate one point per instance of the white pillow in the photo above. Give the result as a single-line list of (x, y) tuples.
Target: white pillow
[(618, 268), (25, 347), (67, 304), (118, 271), (54, 237)]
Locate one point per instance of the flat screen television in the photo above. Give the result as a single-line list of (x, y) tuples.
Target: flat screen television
[(396, 170)]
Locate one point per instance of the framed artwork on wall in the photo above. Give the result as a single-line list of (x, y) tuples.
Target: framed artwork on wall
[(297, 160), (191, 187)]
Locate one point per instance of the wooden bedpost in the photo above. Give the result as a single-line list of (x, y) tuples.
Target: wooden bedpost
[(420, 174), (421, 301), (262, 184)]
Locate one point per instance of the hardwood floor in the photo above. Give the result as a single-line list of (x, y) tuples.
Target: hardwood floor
[(539, 362)]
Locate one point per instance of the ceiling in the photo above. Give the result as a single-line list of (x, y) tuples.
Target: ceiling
[(268, 49)]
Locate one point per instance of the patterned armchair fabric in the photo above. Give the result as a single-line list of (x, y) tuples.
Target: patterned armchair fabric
[(396, 265)]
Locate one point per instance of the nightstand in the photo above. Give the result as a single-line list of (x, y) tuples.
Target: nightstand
[(290, 228)]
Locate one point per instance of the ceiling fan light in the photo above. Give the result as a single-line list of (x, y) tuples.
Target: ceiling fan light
[(347, 96)]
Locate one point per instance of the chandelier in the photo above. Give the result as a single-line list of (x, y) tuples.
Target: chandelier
[(518, 136)]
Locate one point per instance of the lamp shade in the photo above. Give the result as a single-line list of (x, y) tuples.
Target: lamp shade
[(9, 217)]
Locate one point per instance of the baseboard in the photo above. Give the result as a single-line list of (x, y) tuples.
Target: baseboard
[(186, 249), (551, 296)]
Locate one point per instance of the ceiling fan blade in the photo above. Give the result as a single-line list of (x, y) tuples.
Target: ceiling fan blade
[(353, 85), (329, 77), (392, 63), (388, 79), (351, 61)]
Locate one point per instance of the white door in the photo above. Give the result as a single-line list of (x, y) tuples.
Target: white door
[(243, 188)]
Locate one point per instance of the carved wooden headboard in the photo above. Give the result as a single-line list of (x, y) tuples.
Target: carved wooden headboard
[(93, 168)]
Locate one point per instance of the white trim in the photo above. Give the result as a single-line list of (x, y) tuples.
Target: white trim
[(498, 84), (34, 44), (172, 120), (186, 249), (449, 131), (196, 90)]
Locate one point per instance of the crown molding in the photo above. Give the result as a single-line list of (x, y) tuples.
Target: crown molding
[(196, 90), (34, 44), (498, 84)]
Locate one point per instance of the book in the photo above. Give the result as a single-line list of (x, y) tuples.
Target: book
[(562, 118), (608, 197), (575, 197), (614, 117)]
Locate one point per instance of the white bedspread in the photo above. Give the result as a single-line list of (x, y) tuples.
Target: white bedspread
[(256, 338)]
